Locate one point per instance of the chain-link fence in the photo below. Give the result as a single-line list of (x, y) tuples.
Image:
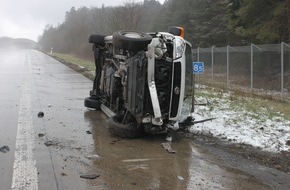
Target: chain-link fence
[(263, 69)]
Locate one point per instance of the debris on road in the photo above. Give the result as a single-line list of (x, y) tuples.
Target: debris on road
[(50, 143), (63, 174), (167, 147), (180, 178), (89, 132), (40, 135), (4, 149), (40, 114), (93, 157), (90, 176)]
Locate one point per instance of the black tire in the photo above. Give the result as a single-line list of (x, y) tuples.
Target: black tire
[(92, 103), (129, 130), (131, 40), (97, 39)]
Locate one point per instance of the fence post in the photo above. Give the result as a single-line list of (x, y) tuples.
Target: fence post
[(252, 63), (212, 61), (282, 71), (228, 67)]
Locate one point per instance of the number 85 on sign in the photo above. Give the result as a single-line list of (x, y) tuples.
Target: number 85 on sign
[(197, 67)]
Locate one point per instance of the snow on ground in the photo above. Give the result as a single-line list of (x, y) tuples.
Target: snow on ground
[(233, 122)]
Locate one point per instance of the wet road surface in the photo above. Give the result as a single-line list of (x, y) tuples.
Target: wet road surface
[(53, 151)]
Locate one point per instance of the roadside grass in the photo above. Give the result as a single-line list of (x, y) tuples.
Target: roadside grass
[(67, 58), (252, 104)]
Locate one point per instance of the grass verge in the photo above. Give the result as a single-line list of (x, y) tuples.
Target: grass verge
[(85, 67)]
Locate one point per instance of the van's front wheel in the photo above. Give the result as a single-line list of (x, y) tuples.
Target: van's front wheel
[(92, 103), (126, 129)]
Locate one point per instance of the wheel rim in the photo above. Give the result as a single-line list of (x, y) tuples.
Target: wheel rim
[(133, 35)]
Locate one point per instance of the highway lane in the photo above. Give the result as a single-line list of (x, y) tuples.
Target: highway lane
[(32, 82), (53, 151)]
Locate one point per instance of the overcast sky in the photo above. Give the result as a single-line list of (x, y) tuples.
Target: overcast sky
[(27, 18)]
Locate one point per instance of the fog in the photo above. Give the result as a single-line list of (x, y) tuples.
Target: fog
[(27, 19)]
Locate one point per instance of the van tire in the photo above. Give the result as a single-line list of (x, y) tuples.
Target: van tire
[(129, 130)]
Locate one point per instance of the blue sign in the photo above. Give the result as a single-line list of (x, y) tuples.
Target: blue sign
[(197, 67)]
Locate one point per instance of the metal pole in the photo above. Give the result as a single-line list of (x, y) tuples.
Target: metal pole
[(192, 93), (228, 67), (198, 57), (252, 65), (212, 61), (282, 71), (197, 54)]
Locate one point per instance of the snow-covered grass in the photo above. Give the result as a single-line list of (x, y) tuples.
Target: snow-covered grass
[(260, 123)]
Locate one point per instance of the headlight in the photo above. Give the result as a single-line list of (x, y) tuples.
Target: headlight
[(179, 48)]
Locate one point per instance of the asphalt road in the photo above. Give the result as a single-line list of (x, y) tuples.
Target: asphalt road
[(53, 150)]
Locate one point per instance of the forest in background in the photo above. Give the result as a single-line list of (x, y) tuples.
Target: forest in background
[(206, 23)]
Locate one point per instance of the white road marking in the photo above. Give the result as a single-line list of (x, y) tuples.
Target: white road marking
[(24, 169)]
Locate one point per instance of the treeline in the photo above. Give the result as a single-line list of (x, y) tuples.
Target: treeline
[(206, 22)]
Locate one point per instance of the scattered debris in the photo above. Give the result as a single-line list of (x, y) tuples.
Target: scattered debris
[(4, 149), (167, 147), (180, 178), (93, 157), (288, 142), (90, 176), (191, 121), (115, 141), (63, 174), (168, 138), (40, 114), (89, 132), (50, 143), (40, 135)]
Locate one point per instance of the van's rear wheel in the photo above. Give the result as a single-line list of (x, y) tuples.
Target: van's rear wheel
[(93, 103), (131, 40), (126, 129)]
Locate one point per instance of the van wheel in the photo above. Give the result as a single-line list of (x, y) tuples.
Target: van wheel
[(93, 103), (97, 39), (131, 40), (129, 129)]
